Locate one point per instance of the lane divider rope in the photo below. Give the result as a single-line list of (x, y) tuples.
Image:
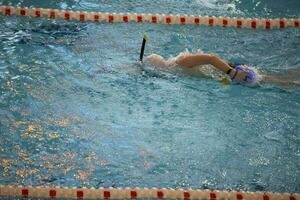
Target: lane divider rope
[(253, 23), (136, 193)]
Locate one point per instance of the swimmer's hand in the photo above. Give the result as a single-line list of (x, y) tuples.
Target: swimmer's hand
[(226, 81)]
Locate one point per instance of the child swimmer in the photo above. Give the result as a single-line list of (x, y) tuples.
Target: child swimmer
[(236, 74), (212, 65)]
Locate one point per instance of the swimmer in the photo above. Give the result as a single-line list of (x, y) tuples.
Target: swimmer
[(215, 67), (209, 64)]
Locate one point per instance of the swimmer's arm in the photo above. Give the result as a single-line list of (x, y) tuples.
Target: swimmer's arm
[(281, 81), (192, 60)]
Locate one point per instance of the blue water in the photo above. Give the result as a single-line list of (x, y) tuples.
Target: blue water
[(77, 110)]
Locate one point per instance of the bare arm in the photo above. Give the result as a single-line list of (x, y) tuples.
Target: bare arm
[(281, 81), (192, 60)]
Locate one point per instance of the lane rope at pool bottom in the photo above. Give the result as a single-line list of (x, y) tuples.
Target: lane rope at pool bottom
[(167, 19), (137, 193)]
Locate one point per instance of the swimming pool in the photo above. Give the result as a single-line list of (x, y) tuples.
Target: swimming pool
[(76, 109)]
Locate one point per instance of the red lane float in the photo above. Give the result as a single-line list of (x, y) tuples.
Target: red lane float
[(252, 23), (136, 193)]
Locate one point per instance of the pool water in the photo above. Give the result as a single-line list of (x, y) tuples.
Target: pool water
[(77, 110)]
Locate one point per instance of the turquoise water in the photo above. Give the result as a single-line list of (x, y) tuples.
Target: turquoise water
[(77, 110)]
